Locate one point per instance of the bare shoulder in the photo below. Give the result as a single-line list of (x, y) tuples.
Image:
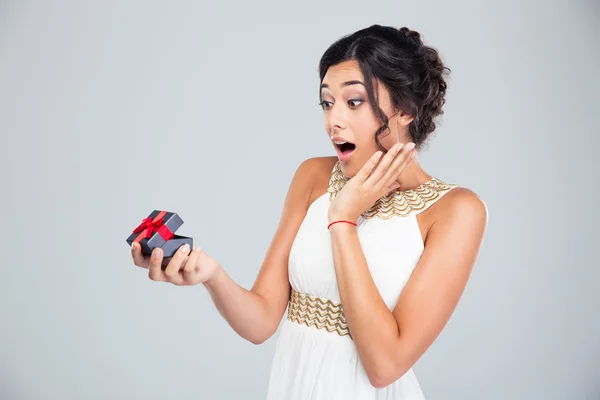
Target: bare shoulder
[(464, 205), (320, 171), (309, 177), (319, 165)]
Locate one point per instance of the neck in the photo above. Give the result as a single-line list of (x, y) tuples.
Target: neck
[(413, 176)]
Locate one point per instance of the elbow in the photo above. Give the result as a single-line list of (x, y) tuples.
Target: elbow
[(379, 381), (384, 375), (266, 326), (389, 366), (257, 341), (261, 337), (380, 376)]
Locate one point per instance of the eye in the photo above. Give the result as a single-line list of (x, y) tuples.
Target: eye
[(324, 104), (353, 103), (355, 100)]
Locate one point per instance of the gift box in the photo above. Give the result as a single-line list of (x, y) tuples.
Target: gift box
[(158, 230)]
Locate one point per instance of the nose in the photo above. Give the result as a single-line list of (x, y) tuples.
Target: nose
[(336, 119)]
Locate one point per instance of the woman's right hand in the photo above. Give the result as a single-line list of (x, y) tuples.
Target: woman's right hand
[(184, 268)]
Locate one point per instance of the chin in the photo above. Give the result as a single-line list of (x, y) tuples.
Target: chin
[(347, 171)]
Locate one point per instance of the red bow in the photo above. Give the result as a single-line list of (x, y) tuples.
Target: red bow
[(149, 225)]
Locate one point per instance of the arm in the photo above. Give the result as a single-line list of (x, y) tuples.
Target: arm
[(389, 343), (255, 314)]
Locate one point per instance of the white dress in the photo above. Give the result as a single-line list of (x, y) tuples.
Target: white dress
[(315, 356)]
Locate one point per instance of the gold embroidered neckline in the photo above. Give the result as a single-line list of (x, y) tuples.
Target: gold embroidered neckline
[(397, 203)]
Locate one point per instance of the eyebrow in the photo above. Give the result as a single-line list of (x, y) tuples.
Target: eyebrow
[(344, 84)]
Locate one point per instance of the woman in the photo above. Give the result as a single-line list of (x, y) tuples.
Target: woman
[(371, 253)]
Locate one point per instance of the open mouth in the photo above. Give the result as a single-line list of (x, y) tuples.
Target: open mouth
[(346, 148)]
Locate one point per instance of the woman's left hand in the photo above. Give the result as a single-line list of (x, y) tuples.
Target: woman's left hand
[(373, 181)]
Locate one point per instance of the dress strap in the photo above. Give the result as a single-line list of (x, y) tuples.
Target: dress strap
[(400, 203)]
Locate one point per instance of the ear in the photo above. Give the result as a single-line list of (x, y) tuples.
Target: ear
[(404, 119)]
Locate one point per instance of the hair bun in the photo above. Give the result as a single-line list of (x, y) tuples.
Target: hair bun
[(410, 36)]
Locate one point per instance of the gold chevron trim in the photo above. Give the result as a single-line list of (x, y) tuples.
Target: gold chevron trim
[(314, 311), (397, 203)]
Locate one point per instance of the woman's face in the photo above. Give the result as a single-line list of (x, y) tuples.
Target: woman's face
[(349, 115)]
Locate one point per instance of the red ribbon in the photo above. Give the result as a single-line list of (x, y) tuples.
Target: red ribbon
[(149, 226)]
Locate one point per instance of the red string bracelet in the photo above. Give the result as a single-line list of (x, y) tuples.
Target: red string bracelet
[(335, 222)]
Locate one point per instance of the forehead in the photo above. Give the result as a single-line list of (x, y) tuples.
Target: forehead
[(344, 71), (350, 70)]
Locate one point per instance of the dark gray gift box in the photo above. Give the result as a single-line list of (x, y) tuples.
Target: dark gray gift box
[(162, 226)]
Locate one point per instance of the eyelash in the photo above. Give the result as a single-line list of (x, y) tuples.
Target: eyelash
[(323, 102)]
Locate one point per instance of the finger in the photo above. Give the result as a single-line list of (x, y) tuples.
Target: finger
[(383, 165), (139, 259), (172, 272), (395, 185), (154, 267), (366, 169), (189, 269)]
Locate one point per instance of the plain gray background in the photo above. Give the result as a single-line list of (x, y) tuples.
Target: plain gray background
[(111, 109)]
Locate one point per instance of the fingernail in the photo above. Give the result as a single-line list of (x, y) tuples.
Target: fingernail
[(156, 253), (196, 249), (410, 146), (398, 146), (185, 248)]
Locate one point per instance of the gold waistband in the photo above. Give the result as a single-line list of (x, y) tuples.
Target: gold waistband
[(314, 311)]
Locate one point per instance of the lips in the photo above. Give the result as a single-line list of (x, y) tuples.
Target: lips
[(344, 151)]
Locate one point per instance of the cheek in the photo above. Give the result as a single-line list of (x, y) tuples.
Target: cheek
[(364, 126)]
